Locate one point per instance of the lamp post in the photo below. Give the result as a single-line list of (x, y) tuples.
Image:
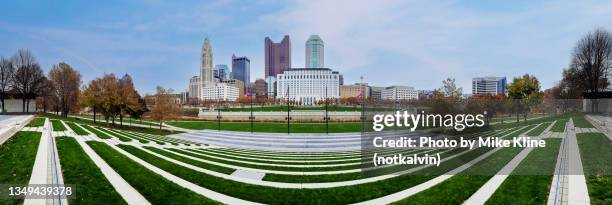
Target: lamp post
[(288, 111), (326, 115)]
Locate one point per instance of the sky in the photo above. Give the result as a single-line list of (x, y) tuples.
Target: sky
[(388, 42)]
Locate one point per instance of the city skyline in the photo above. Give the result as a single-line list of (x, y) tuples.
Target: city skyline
[(461, 40)]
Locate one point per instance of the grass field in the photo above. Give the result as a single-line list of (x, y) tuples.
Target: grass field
[(595, 151), (37, 122), (274, 127), (57, 125), (78, 130), (152, 130), (79, 169), (154, 187), (530, 182), (581, 122), (538, 130), (17, 159), (96, 132), (460, 187), (559, 126)]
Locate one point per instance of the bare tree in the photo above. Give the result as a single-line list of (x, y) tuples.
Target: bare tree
[(593, 58), (67, 82), (27, 77), (6, 75), (46, 99)]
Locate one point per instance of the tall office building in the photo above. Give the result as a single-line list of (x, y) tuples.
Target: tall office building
[(221, 72), (314, 52), (194, 87), (489, 85), (277, 60), (206, 68), (241, 69)]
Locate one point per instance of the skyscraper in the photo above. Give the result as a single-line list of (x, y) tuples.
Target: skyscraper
[(206, 68), (278, 59), (314, 52), (221, 72), (241, 69)]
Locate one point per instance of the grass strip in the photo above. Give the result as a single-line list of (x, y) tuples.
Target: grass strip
[(273, 127), (596, 152), (80, 170), (197, 163), (122, 138), (266, 167), (530, 182), (96, 132), (78, 130), (336, 195), (57, 125), (37, 122), (559, 126), (102, 123), (581, 122), (155, 188), (141, 140), (538, 130), (17, 156), (460, 187)]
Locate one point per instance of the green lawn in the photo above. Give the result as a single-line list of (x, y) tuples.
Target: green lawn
[(538, 130), (460, 187), (274, 127), (126, 121), (120, 137), (17, 156), (336, 195), (78, 130), (96, 132), (559, 126), (78, 169), (157, 189), (581, 122), (530, 182), (57, 125), (596, 152), (37, 122), (153, 130)]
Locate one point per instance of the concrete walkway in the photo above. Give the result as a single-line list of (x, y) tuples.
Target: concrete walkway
[(558, 188), (578, 192), (123, 188), (47, 169)]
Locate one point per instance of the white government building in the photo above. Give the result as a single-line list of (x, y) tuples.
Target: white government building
[(397, 92), (308, 85)]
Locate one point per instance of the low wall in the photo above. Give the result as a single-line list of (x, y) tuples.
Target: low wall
[(298, 115), (11, 126), (601, 105), (15, 105)]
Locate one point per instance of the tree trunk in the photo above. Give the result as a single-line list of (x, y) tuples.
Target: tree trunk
[(120, 120), (23, 105), (94, 111)]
